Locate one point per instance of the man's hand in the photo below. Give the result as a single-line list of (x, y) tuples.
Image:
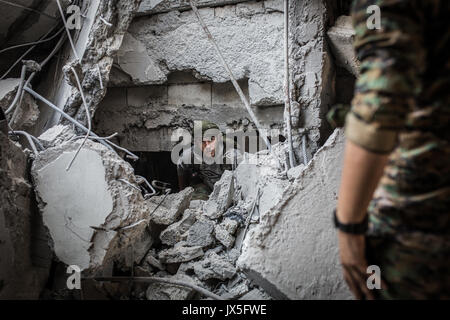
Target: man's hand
[(352, 252), (360, 175)]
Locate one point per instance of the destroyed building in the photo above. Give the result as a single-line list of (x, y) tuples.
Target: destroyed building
[(92, 93)]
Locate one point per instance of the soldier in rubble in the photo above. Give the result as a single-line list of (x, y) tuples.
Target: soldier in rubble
[(202, 166), (394, 201)]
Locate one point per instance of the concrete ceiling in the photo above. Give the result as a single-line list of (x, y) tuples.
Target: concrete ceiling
[(19, 25)]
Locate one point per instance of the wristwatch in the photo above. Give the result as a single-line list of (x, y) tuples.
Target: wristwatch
[(352, 228)]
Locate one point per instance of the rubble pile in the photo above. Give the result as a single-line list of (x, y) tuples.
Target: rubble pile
[(200, 242)]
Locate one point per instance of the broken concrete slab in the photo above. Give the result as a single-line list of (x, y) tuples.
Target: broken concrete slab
[(293, 252), (56, 135), (224, 236), (221, 197), (214, 267), (200, 234), (180, 253), (91, 216), (341, 37), (174, 233), (171, 208), (26, 113)]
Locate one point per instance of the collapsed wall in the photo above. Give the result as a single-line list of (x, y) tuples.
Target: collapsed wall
[(88, 210), (293, 253)]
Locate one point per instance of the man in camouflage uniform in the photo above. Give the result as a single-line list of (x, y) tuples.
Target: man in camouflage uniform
[(398, 143), (203, 175)]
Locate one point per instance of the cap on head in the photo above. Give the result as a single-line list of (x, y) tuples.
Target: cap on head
[(207, 125)]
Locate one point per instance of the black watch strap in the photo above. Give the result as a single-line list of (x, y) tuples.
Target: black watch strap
[(352, 228)]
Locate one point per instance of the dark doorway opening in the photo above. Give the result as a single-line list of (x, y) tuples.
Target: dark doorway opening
[(156, 166)]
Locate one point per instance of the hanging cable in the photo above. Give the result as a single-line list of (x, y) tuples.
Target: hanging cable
[(88, 119), (33, 43), (233, 80), (287, 104)]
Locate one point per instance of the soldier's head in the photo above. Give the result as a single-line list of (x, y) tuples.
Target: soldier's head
[(209, 141)]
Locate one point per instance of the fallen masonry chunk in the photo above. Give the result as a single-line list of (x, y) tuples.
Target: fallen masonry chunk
[(171, 208), (151, 260), (221, 197), (86, 209), (196, 204), (180, 253), (200, 234), (56, 135), (296, 236), (24, 115), (222, 267), (230, 225), (214, 267), (341, 36), (237, 291), (174, 233), (223, 236)]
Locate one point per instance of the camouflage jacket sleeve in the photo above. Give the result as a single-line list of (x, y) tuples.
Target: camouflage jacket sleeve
[(392, 59)]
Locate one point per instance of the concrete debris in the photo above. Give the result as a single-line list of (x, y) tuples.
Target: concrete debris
[(151, 260), (200, 234), (341, 37), (26, 113), (180, 253), (295, 237), (221, 197), (168, 211), (214, 267), (95, 204), (175, 232), (20, 278), (236, 291), (224, 236), (56, 135)]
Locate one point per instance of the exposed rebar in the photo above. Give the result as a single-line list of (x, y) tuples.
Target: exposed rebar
[(100, 76), (30, 140), (88, 116), (106, 143), (19, 90), (143, 180), (287, 103), (305, 158)]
